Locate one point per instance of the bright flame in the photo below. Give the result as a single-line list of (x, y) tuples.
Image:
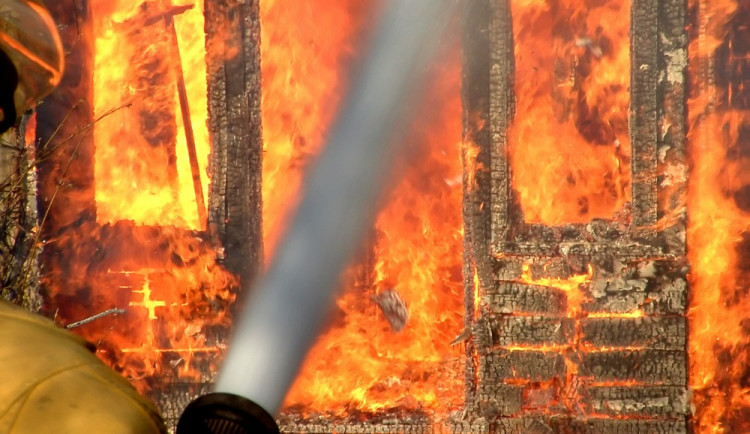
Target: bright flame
[(305, 47), (135, 65), (165, 275), (571, 286), (358, 362), (719, 314), (569, 144)]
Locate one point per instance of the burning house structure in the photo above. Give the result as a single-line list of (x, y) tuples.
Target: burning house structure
[(568, 231)]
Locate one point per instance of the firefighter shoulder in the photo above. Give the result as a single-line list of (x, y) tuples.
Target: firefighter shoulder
[(53, 383)]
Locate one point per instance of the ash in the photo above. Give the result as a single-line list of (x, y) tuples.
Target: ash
[(393, 307)]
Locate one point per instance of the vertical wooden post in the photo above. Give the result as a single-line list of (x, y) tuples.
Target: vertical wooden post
[(234, 94)]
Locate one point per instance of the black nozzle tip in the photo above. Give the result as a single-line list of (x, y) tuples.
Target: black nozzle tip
[(225, 413)]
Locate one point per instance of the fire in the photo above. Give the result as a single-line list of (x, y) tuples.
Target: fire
[(135, 65), (719, 121), (359, 363), (572, 97), (144, 253), (571, 286), (305, 48)]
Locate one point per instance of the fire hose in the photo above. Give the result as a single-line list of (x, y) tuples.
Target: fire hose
[(288, 305)]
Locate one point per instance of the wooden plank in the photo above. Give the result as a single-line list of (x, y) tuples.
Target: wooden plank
[(497, 399), (501, 108), (556, 424), (234, 94), (672, 161), (668, 368), (643, 116), (662, 401), (476, 133), (531, 331), (501, 364), (661, 333), (513, 297)]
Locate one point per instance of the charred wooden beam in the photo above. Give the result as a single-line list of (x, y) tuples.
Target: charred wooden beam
[(644, 75), (234, 94), (476, 136)]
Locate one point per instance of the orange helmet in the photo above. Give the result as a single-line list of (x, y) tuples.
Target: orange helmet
[(31, 46)]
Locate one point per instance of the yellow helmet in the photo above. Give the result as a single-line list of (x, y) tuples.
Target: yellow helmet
[(53, 383), (31, 46)]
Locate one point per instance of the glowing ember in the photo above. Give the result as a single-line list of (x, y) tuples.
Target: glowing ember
[(571, 286), (719, 120), (572, 77)]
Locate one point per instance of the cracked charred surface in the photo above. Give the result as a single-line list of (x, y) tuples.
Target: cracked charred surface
[(579, 327)]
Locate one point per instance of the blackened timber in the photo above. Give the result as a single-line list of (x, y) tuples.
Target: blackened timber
[(234, 94), (643, 116), (518, 297), (531, 331), (586, 426), (671, 157), (661, 333), (475, 97), (497, 399), (502, 107), (665, 401), (643, 366), (524, 365)]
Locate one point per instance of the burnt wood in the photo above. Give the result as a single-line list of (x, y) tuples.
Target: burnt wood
[(578, 360), (234, 95)]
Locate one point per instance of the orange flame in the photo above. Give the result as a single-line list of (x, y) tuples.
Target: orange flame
[(719, 115), (134, 65), (361, 363), (571, 119), (142, 254), (305, 48), (358, 363)]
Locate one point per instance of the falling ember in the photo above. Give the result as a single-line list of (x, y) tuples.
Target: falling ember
[(571, 116), (718, 234)]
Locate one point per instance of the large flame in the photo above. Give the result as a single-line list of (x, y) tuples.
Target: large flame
[(143, 254), (305, 48), (571, 120), (135, 65), (719, 206), (359, 363)]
